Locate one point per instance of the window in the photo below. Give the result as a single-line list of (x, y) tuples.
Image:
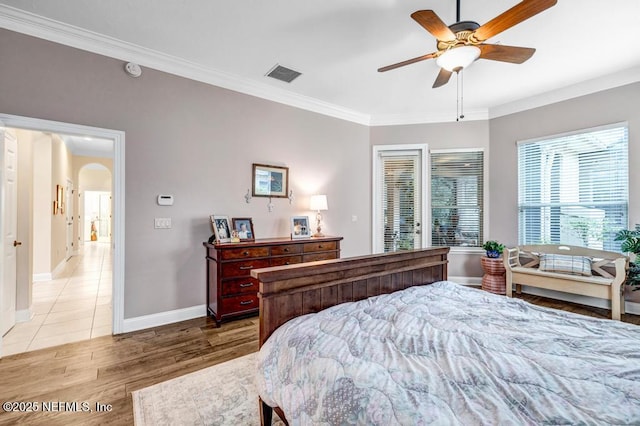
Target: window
[(457, 197), (573, 189)]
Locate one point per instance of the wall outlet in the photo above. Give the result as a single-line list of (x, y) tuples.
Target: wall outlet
[(162, 223)]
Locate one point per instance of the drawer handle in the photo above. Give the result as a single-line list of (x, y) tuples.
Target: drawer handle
[(286, 263), (246, 302), (243, 285), (286, 250), (245, 253), (244, 268), (319, 245)]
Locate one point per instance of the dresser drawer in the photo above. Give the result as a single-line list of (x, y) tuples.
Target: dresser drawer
[(285, 260), (237, 304), (242, 268), (319, 246), (286, 249), (320, 256), (239, 286), (244, 253)]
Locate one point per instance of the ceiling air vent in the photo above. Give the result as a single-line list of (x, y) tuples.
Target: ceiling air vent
[(283, 74)]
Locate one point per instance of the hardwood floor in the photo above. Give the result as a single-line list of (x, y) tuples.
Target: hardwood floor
[(107, 369)]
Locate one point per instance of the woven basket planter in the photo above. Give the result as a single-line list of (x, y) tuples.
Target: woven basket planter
[(494, 275)]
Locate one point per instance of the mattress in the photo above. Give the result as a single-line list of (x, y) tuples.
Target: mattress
[(449, 354)]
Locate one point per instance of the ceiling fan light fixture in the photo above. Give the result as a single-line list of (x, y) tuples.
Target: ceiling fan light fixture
[(458, 57)]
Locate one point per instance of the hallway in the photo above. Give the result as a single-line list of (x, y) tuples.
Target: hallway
[(73, 307)]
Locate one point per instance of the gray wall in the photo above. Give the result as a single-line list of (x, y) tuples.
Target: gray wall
[(463, 134), (197, 142), (610, 106)]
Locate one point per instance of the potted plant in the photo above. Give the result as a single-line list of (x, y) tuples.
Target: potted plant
[(631, 244), (493, 249)]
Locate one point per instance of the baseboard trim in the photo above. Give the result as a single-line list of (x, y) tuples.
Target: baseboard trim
[(48, 276), (473, 281), (169, 317), (630, 307), (24, 315), (163, 318)]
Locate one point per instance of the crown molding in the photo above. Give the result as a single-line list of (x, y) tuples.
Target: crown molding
[(427, 118), (48, 29), (621, 78)]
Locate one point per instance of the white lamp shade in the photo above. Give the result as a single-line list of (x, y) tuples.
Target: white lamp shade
[(458, 57), (318, 202)]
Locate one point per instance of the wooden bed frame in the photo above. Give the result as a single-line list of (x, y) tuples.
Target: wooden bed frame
[(286, 292)]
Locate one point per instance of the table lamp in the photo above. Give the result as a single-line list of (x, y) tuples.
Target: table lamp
[(318, 203)]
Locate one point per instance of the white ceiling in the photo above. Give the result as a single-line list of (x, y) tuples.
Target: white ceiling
[(582, 46), (89, 146)]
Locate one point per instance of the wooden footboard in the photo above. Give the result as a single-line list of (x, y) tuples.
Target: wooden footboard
[(286, 292)]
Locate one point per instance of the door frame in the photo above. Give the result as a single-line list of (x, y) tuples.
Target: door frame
[(376, 193), (118, 188), (7, 138)]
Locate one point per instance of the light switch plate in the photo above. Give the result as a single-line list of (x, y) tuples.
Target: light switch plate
[(162, 223)]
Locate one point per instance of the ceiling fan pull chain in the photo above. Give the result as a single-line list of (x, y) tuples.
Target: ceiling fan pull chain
[(460, 73), (457, 96)]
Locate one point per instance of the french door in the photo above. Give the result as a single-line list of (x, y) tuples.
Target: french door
[(399, 194)]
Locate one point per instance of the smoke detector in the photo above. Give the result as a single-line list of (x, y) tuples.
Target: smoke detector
[(132, 69)]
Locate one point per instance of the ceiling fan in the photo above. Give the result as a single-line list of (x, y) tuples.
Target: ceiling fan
[(460, 44)]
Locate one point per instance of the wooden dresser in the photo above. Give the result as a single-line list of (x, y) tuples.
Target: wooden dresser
[(232, 292)]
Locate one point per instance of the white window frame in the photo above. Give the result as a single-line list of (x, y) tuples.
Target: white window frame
[(624, 124)]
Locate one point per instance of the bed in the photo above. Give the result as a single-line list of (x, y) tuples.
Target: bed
[(403, 352)]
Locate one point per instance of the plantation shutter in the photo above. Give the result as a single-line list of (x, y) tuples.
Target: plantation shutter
[(401, 192), (457, 197), (573, 189)]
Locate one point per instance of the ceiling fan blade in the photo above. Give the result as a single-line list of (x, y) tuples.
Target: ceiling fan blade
[(432, 23), (407, 62), (512, 54), (518, 13), (442, 78)]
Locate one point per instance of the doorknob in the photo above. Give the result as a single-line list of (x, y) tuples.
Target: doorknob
[(17, 243)]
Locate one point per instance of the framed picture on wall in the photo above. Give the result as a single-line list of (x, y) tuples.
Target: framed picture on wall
[(270, 181), (221, 228), (300, 227), (243, 226)]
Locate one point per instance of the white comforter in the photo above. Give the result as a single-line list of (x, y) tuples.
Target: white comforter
[(448, 354)]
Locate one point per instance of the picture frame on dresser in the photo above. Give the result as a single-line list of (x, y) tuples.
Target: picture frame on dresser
[(244, 227), (221, 228), (300, 227)]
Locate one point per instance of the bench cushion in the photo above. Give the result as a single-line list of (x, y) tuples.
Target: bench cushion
[(566, 264), (580, 278)]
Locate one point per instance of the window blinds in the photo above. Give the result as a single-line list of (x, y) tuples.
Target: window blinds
[(457, 197), (573, 189)]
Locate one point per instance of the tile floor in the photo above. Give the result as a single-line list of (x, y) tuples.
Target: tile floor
[(75, 306)]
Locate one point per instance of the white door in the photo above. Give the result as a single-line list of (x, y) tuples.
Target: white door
[(68, 212), (399, 194), (8, 225)]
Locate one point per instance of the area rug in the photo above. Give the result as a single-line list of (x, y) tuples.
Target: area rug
[(224, 394)]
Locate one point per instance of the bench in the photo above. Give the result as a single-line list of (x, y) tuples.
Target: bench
[(570, 269)]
